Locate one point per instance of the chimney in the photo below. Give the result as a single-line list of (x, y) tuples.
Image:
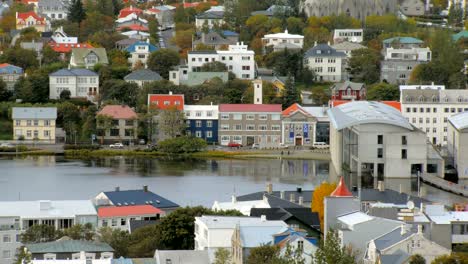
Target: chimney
[(45, 205), (403, 229), (145, 188), (269, 188), (117, 189), (234, 199), (315, 43), (263, 218), (380, 186), (170, 92), (286, 31), (282, 195), (401, 189), (292, 198), (301, 200), (265, 199), (299, 189)]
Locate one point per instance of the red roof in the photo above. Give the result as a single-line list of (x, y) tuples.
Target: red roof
[(294, 108), (129, 10), (135, 27), (66, 48), (153, 10), (194, 4), (165, 101), (394, 104), (250, 108), (118, 112), (112, 211), (33, 14), (341, 190)]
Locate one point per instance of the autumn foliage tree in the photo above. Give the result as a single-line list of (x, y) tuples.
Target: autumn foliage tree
[(324, 190)]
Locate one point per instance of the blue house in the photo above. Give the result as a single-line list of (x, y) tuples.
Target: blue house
[(140, 51), (202, 121), (10, 74)]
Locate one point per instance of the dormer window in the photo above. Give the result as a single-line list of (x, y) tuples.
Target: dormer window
[(435, 99), (319, 52), (409, 98), (422, 99)]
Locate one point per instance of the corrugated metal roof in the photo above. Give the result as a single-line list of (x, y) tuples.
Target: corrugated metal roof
[(182, 256), (263, 108), (74, 72), (143, 75), (459, 121), (47, 209), (323, 50), (34, 113), (139, 197), (68, 246), (403, 40)]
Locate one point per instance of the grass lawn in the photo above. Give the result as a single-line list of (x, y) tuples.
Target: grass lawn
[(310, 86)]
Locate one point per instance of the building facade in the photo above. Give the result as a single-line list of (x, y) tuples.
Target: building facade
[(140, 52), (53, 9), (327, 63), (359, 9), (216, 40), (209, 19), (349, 91), (413, 7), (10, 74), (276, 39), (298, 127), (34, 123), (119, 217), (82, 83), (429, 109), (457, 143), (202, 121), (247, 124), (88, 57), (70, 250), (122, 124), (348, 35), (31, 19)]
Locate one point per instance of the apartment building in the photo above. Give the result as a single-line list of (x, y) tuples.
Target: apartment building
[(34, 123), (10, 74), (247, 124), (355, 35), (457, 143), (82, 83), (327, 63), (429, 108), (401, 56), (238, 59), (202, 121), (123, 124), (18, 216), (298, 126), (119, 217)]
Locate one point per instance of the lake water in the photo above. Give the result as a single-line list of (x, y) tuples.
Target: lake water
[(186, 182)]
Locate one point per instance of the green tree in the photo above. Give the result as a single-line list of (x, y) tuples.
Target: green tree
[(65, 95), (215, 66), (417, 259), (291, 94), (455, 16), (80, 232), (330, 251), (319, 96), (38, 234), (153, 27), (454, 258), (162, 61), (222, 256), (264, 254), (383, 92), (183, 144), (171, 122), (295, 25), (20, 57), (121, 91), (118, 239), (103, 123), (76, 11), (89, 122), (5, 94), (364, 66), (22, 256), (49, 55)]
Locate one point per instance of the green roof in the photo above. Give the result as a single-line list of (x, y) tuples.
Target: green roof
[(403, 40), (79, 55), (68, 246), (459, 35)]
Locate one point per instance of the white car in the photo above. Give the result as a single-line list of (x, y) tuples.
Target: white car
[(320, 145), (116, 146), (283, 146), (255, 146)]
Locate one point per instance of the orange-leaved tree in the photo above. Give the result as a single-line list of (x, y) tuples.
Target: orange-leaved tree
[(322, 191)]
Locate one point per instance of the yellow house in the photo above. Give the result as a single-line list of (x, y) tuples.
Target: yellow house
[(30, 19), (34, 124)]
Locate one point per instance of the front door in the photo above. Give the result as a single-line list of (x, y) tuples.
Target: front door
[(298, 141), (250, 141)]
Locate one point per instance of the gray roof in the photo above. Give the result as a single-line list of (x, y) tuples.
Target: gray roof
[(388, 196), (196, 78), (459, 121), (68, 246), (274, 197), (74, 72), (347, 84), (366, 112), (59, 4), (202, 52), (127, 41), (391, 238), (286, 46), (34, 113), (398, 257), (79, 55), (346, 45), (143, 75), (211, 15), (323, 50), (214, 38), (182, 256), (431, 96)]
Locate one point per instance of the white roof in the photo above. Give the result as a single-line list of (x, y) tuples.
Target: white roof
[(355, 218), (200, 107), (320, 112), (215, 9), (439, 215), (366, 112), (422, 87), (50, 209), (242, 206), (230, 222), (259, 235), (65, 40), (459, 121), (283, 35), (135, 32), (349, 30), (130, 17)]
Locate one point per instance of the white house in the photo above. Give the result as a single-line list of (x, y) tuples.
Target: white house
[(293, 40), (238, 59), (355, 35), (448, 228), (60, 37), (430, 107), (458, 143), (213, 16), (119, 217), (327, 63), (53, 9), (140, 52), (82, 83)]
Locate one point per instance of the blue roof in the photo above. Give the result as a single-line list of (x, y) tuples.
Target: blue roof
[(403, 40), (9, 69), (139, 197), (132, 47), (228, 33), (459, 35), (74, 72)]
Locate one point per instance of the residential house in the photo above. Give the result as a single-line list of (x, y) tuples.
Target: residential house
[(18, 216), (131, 22), (65, 249), (119, 217), (247, 124), (136, 34), (401, 56), (81, 260), (65, 48), (298, 126), (62, 43), (166, 101), (280, 41), (82, 83), (140, 52), (202, 121), (31, 19), (268, 75), (124, 12), (182, 76), (430, 107), (34, 123), (142, 77), (53, 9), (122, 126), (245, 238), (327, 63), (354, 35), (448, 228), (237, 58), (377, 142), (216, 40), (125, 43), (296, 240), (88, 57), (398, 245), (215, 232), (413, 8), (274, 10), (276, 198), (181, 256), (347, 47), (164, 14), (458, 143), (322, 127), (210, 18), (134, 197), (10, 75), (60, 37), (349, 91)]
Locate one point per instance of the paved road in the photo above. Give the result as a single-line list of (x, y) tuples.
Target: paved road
[(166, 37)]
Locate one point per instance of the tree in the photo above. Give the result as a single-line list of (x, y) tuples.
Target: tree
[(103, 123), (153, 27), (162, 61), (319, 96), (65, 95), (33, 88), (89, 122), (456, 15), (49, 55), (183, 39), (383, 92), (121, 91), (330, 251), (118, 239), (171, 122), (454, 258), (20, 57), (80, 232), (38, 234), (324, 190), (5, 94), (264, 254), (291, 95), (183, 144), (417, 259), (76, 12), (364, 66), (295, 25), (222, 256), (214, 66)]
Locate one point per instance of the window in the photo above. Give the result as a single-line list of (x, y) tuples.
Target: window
[(445, 129), (428, 120), (403, 140), (224, 116), (198, 113), (114, 222), (380, 153), (428, 130), (245, 76), (421, 110), (415, 110), (445, 119), (414, 120), (128, 122), (209, 123), (262, 127), (246, 68), (452, 110), (104, 222), (250, 117), (434, 130), (209, 134), (380, 139), (263, 117), (46, 122), (434, 120), (6, 254), (446, 110), (198, 133), (404, 154), (6, 239), (275, 117), (421, 120), (198, 123), (224, 127), (275, 127), (28, 122), (46, 133), (209, 113), (408, 110), (36, 134), (445, 138), (238, 127), (250, 127), (300, 246), (29, 133), (18, 122), (434, 110), (123, 221), (428, 110)]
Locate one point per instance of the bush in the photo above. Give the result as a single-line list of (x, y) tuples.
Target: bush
[(74, 147), (20, 148), (182, 145)]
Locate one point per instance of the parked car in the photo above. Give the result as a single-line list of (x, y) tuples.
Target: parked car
[(234, 145), (141, 142), (255, 146), (320, 145), (283, 146), (116, 146)]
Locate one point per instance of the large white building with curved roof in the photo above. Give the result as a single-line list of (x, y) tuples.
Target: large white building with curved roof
[(374, 141), (457, 143)]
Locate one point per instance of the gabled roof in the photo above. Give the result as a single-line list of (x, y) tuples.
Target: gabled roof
[(250, 108), (9, 68), (139, 197), (341, 190), (73, 72), (302, 214), (293, 109), (388, 196), (391, 238), (68, 246), (132, 210), (66, 47), (323, 50), (403, 40), (133, 27), (274, 197), (211, 15), (34, 113), (118, 112), (33, 14), (79, 55), (347, 84), (127, 41), (143, 75), (151, 47), (157, 101), (129, 10)]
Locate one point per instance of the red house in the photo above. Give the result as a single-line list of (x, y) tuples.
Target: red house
[(348, 91), (129, 10), (165, 101)]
